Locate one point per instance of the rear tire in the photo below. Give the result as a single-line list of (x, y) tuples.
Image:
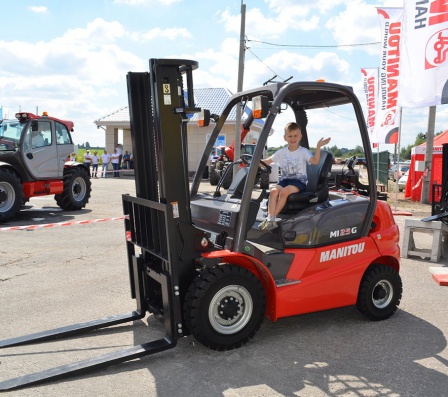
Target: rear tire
[(213, 176), (228, 178), (11, 194), (224, 307), (77, 189), (379, 293)]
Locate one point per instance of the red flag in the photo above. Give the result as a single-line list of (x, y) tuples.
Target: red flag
[(424, 54), (387, 118)]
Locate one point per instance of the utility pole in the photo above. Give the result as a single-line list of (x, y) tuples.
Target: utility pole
[(428, 155), (237, 151)]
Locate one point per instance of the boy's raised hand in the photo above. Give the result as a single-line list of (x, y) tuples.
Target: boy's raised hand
[(323, 142)]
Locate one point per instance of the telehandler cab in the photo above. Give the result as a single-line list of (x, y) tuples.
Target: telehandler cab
[(199, 261)]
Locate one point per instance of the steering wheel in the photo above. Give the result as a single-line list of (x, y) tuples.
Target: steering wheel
[(247, 159)]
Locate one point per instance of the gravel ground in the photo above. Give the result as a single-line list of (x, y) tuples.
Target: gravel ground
[(52, 277)]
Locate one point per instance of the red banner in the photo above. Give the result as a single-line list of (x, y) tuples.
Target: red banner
[(424, 54), (387, 117), (370, 86)]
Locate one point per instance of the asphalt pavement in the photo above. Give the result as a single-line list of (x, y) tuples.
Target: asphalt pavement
[(55, 276)]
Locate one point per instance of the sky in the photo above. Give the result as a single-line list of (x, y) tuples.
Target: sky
[(70, 58)]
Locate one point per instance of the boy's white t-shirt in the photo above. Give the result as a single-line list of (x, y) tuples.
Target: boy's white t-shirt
[(293, 164)]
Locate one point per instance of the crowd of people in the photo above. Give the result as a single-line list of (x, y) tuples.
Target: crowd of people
[(117, 159)]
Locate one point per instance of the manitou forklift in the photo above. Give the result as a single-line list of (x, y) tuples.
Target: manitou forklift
[(199, 261)]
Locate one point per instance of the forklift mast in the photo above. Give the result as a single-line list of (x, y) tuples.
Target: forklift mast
[(160, 216)]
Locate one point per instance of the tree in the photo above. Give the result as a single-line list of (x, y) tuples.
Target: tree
[(405, 152), (335, 151)]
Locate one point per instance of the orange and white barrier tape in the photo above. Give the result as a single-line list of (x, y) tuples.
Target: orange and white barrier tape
[(48, 225)]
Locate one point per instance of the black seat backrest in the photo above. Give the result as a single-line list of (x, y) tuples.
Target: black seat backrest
[(318, 174)]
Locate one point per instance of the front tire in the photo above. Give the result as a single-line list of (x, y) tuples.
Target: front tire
[(224, 307), (11, 194), (77, 189), (379, 293)]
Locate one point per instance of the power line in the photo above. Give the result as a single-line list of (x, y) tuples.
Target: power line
[(247, 48), (313, 46)]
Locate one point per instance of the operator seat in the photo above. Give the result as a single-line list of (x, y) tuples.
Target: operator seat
[(316, 188)]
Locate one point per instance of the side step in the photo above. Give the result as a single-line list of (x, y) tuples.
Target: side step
[(92, 363)]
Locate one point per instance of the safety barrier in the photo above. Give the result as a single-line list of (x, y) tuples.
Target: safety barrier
[(49, 225)]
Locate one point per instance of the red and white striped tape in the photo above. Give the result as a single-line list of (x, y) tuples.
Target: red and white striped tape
[(48, 225), (109, 171)]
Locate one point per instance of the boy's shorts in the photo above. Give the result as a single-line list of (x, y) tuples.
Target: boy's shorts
[(291, 181)]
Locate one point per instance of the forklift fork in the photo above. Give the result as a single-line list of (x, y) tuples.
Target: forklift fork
[(139, 232), (102, 361)]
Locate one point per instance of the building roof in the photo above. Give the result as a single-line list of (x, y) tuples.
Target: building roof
[(120, 116), (213, 99)]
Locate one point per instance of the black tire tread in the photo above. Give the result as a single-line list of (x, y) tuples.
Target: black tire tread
[(228, 178), (65, 200), (372, 275), (213, 176), (197, 293), (10, 177)]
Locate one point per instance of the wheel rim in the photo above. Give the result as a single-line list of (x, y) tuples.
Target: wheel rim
[(79, 189), (382, 294), (7, 196), (230, 309)]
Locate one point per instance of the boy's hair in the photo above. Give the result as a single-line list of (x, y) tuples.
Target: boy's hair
[(291, 127)]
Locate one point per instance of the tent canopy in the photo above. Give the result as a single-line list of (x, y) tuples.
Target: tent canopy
[(417, 171)]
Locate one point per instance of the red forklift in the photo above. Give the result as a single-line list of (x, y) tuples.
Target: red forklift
[(199, 262)]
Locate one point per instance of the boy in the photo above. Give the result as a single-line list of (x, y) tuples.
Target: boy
[(292, 160)]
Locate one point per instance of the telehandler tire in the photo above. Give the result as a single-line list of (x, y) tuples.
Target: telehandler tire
[(224, 307), (213, 176), (11, 194), (379, 293), (77, 189), (228, 178)]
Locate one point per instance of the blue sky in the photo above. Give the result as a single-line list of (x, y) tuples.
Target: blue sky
[(70, 58)]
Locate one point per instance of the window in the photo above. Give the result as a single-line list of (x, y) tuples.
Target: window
[(62, 134), (40, 134)]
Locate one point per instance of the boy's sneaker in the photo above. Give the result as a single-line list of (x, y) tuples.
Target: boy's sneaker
[(268, 225)]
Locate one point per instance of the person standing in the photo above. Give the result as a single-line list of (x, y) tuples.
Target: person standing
[(119, 150), (126, 159), (95, 160), (105, 159), (87, 159), (115, 160)]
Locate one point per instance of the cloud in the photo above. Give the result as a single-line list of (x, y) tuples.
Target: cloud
[(38, 9), (284, 64), (146, 2), (294, 17), (80, 75), (358, 23), (157, 33)]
